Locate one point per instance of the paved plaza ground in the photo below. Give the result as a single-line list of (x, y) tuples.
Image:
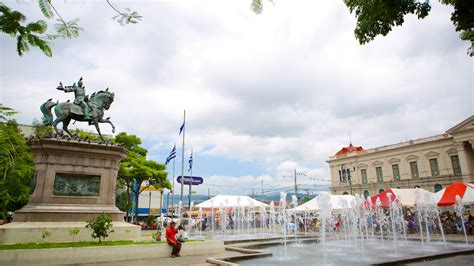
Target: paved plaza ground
[(180, 261)]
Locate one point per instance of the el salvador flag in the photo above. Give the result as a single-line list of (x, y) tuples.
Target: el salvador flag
[(172, 155), (190, 162), (181, 129)]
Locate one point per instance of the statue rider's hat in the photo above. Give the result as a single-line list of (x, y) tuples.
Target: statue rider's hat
[(79, 83)]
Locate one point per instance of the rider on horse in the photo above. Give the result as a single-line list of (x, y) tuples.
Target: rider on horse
[(80, 97)]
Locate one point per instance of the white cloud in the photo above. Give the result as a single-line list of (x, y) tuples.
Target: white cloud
[(284, 88)]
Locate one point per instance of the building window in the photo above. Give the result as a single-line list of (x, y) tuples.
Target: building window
[(379, 172), (414, 169), (456, 165), (363, 174), (345, 193), (366, 194), (438, 187), (396, 172), (434, 167), (417, 186)]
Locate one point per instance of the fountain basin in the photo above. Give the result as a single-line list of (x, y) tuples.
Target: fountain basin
[(344, 252)]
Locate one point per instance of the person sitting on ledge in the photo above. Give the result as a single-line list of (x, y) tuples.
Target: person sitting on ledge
[(171, 232)]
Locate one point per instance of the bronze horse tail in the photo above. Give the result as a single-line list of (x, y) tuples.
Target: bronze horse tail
[(46, 107)]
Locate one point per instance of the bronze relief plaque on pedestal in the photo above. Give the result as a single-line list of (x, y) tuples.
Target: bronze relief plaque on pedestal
[(66, 184)]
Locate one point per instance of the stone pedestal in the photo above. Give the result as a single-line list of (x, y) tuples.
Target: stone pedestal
[(74, 181)]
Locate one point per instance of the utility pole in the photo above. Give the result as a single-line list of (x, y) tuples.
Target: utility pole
[(296, 186)]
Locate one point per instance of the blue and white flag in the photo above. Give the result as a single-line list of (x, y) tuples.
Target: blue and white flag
[(181, 129), (191, 162), (172, 155)]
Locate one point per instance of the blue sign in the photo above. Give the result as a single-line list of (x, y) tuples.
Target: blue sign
[(163, 210), (196, 180)]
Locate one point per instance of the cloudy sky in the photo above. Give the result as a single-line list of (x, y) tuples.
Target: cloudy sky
[(264, 94)]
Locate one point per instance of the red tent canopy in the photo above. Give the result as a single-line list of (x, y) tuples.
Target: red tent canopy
[(384, 199), (447, 196)]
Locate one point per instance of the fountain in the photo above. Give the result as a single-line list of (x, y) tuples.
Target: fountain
[(459, 209), (372, 233)]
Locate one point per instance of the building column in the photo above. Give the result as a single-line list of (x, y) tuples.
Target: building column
[(465, 160)]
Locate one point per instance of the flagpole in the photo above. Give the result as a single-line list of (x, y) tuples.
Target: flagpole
[(182, 156), (172, 193), (191, 182)]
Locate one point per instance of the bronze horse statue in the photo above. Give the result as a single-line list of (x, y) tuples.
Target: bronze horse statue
[(66, 111)]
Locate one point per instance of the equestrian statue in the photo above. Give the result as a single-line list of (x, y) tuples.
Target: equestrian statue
[(83, 108)]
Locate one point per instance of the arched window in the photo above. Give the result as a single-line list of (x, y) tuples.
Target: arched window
[(381, 190), (345, 193), (417, 186), (366, 194), (437, 187)]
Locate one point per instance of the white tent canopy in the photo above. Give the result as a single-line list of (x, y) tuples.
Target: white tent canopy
[(338, 202), (408, 197), (230, 201)]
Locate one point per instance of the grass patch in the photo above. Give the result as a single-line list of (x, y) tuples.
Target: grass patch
[(82, 244), (74, 244)]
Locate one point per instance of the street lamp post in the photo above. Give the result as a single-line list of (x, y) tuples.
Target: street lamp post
[(346, 173)]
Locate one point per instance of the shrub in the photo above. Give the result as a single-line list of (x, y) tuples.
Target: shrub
[(100, 226), (73, 232)]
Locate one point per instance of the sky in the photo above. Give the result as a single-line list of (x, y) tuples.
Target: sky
[(264, 94)]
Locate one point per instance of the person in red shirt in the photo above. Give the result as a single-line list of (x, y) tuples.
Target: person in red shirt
[(171, 232)]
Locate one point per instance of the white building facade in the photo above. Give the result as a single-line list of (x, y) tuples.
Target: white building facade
[(430, 163)]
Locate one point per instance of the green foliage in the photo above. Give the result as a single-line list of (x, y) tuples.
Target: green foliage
[(379, 16), (79, 244), (74, 232), (45, 7), (46, 234), (131, 142), (121, 201), (42, 131), (16, 168), (66, 30), (463, 14), (26, 36), (257, 6), (82, 134), (100, 226), (136, 169), (6, 112), (126, 16), (306, 198)]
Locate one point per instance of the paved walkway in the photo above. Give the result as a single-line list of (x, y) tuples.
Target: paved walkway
[(180, 261)]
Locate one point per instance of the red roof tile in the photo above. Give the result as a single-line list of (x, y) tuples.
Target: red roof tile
[(350, 149)]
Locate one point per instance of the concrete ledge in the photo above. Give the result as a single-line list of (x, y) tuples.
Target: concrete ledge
[(33, 232), (105, 254)]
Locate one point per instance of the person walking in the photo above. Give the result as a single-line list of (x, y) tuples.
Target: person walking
[(171, 232)]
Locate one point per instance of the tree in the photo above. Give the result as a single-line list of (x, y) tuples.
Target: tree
[(6, 112), (135, 170), (34, 33), (16, 168), (100, 226), (26, 35), (42, 131), (378, 17)]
